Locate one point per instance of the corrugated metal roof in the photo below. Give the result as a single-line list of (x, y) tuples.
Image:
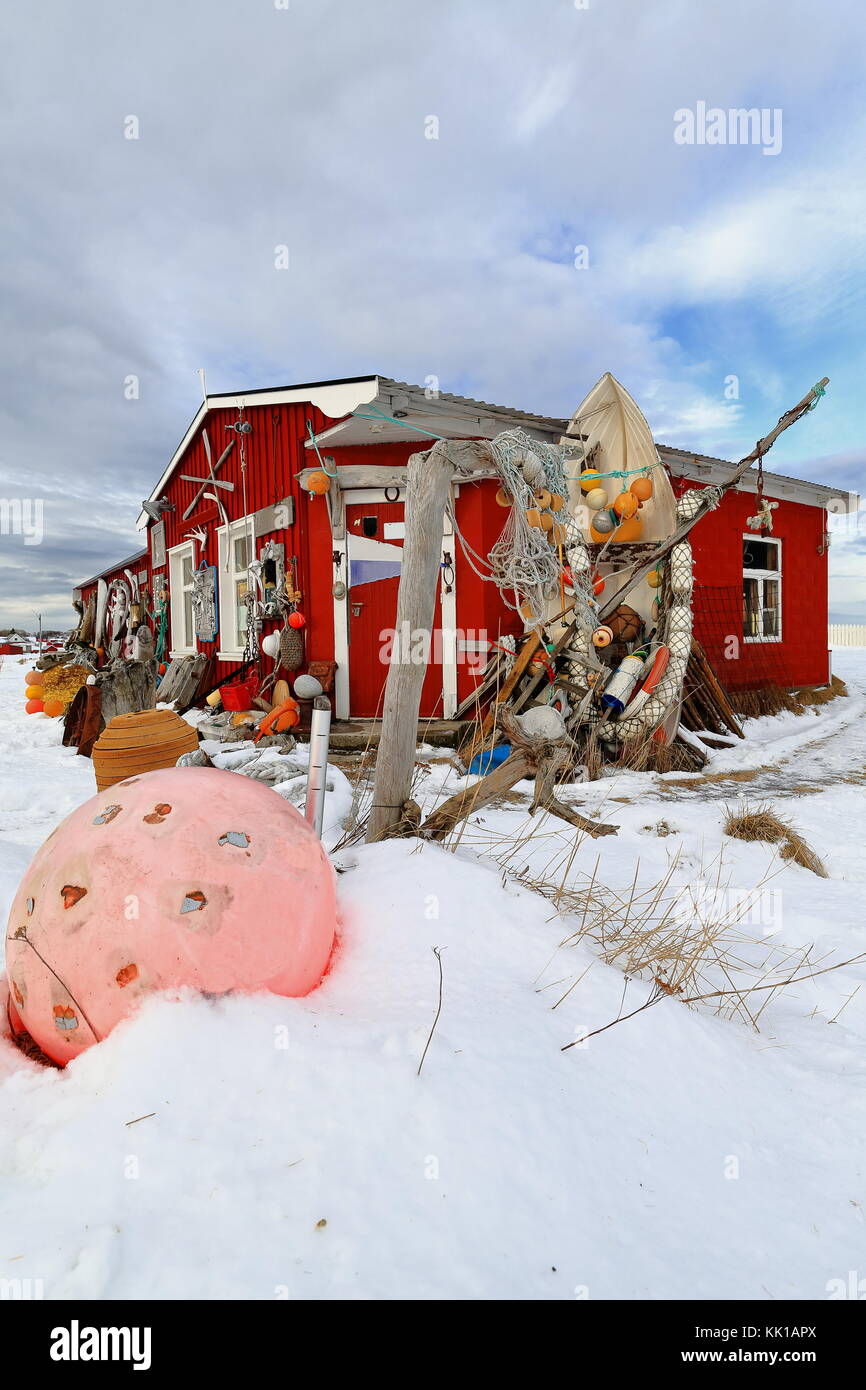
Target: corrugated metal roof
[(513, 413), (698, 467)]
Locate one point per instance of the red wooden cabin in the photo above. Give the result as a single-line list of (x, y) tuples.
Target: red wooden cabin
[(343, 551)]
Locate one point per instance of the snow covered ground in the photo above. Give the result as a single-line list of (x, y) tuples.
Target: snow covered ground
[(291, 1150)]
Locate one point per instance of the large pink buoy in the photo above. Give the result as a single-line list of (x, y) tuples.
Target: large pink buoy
[(186, 876)]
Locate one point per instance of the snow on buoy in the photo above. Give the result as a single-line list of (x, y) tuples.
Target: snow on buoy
[(180, 877)]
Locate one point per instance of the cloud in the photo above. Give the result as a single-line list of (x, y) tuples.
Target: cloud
[(452, 256)]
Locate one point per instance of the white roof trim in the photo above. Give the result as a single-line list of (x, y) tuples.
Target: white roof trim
[(335, 400), (702, 469)]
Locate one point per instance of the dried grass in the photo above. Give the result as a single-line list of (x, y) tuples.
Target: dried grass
[(768, 700), (764, 825)]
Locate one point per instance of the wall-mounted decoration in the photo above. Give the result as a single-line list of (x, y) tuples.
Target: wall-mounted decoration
[(157, 544), (204, 603), (272, 559)]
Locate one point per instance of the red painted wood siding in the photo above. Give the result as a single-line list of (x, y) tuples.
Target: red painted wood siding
[(802, 657), (275, 453)]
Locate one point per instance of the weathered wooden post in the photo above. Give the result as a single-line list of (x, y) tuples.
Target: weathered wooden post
[(428, 480)]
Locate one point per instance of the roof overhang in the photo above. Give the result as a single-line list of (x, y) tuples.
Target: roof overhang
[(334, 398), (402, 413), (701, 468)]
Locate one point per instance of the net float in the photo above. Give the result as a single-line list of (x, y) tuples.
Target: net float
[(602, 637), (626, 504), (654, 579), (642, 489), (596, 498)]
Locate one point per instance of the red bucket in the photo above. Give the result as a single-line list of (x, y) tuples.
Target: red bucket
[(237, 697)]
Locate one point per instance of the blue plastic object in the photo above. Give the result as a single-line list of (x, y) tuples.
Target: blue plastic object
[(492, 758)]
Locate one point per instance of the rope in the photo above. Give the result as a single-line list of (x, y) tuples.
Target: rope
[(380, 415), (817, 391), (315, 445)]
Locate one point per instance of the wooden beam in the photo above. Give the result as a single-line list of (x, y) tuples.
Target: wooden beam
[(428, 486)]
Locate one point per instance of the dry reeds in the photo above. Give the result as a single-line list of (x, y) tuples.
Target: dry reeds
[(765, 825), (768, 700)]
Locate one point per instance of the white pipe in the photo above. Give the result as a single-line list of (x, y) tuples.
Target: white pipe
[(320, 728)]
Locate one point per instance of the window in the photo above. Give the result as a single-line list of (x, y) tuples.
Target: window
[(181, 562), (235, 554), (762, 589)]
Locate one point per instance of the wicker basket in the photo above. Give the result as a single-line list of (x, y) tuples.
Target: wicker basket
[(136, 743)]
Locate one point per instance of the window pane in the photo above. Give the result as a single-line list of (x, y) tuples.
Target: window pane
[(186, 569), (760, 554), (242, 545), (188, 635), (751, 607), (771, 608), (240, 612)]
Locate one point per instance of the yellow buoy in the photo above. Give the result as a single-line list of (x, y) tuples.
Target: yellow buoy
[(590, 479), (654, 579)]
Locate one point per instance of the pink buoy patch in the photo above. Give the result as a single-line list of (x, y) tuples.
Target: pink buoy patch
[(196, 877)]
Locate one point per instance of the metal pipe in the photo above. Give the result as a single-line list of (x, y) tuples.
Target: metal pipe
[(320, 728)]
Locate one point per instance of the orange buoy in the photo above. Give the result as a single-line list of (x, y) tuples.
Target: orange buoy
[(654, 579), (297, 620), (34, 678), (642, 489), (542, 497), (533, 516), (502, 497), (602, 637), (33, 692), (625, 505), (318, 483), (556, 502), (597, 586), (53, 708), (134, 743), (33, 707), (590, 479)]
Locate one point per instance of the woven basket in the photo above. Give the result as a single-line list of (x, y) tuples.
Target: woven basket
[(136, 743)]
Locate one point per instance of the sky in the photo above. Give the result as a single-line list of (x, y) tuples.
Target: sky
[(506, 196)]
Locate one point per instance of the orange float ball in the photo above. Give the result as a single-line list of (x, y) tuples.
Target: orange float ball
[(33, 707), (654, 579), (642, 489), (33, 692), (602, 637), (318, 483), (297, 620), (597, 586), (53, 708), (34, 678), (626, 504), (629, 529)]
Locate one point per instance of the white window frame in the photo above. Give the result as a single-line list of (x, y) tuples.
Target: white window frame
[(176, 590), (762, 575), (231, 642)]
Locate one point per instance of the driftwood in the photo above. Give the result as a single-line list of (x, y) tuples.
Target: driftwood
[(428, 484), (478, 736), (127, 687), (544, 758), (82, 724), (180, 683)]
